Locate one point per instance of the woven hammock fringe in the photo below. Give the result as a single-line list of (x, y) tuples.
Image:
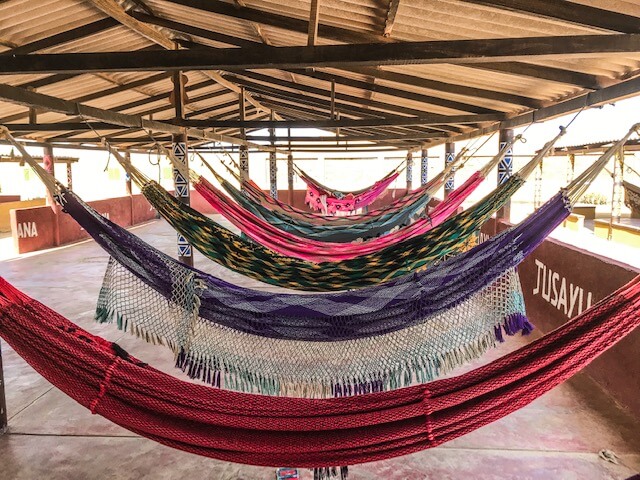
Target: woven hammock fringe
[(330, 473), (218, 373)]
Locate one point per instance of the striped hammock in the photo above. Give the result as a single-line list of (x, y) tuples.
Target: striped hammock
[(353, 231), (412, 329)]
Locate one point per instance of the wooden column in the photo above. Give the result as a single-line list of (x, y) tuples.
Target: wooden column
[(127, 177), (48, 162), (273, 166), (424, 166), (3, 400), (69, 176), (244, 150), (505, 168), (449, 156), (409, 171), (181, 184), (290, 177)]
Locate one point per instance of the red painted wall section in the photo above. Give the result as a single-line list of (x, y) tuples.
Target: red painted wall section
[(9, 198), (200, 204), (141, 210), (559, 281), (35, 228), (32, 228)]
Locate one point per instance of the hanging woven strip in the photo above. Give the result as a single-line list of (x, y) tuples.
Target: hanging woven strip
[(272, 431)]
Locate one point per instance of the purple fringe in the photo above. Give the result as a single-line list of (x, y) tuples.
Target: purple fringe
[(514, 323), (198, 369)]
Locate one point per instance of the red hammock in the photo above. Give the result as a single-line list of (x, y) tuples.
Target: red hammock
[(271, 431)]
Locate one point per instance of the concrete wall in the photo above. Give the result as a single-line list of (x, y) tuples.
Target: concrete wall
[(7, 206), (37, 228), (559, 282)]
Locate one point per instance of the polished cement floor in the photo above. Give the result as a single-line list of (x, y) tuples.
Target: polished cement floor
[(559, 436)]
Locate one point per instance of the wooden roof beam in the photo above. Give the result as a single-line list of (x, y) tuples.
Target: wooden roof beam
[(569, 12), (517, 68), (114, 10), (280, 21), (391, 17), (314, 16), (458, 52), (26, 98), (348, 122)]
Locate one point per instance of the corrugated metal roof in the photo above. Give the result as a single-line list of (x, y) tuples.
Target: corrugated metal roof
[(441, 89)]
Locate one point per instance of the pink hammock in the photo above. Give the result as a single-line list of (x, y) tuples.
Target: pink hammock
[(291, 245), (324, 201)]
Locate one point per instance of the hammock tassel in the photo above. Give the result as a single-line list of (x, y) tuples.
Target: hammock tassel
[(329, 473)]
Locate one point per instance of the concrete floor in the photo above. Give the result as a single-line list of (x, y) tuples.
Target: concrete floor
[(51, 437)]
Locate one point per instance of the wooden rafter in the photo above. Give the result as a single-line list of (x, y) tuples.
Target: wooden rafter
[(26, 98), (570, 12), (459, 52), (314, 19), (391, 17), (347, 122), (114, 10)]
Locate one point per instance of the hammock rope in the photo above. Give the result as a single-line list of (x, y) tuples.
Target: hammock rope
[(288, 213), (312, 250), (457, 310), (403, 217), (269, 431)]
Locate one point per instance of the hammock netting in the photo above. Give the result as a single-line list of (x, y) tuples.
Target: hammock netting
[(316, 251), (273, 431), (427, 322), (260, 263)]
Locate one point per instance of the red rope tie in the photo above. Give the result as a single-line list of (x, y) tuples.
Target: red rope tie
[(428, 411), (104, 384)]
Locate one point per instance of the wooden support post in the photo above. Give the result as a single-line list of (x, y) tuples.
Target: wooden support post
[(571, 170), (244, 150), (537, 189), (181, 184), (48, 162), (69, 176), (505, 168), (616, 193), (424, 167), (314, 15), (127, 156), (273, 166), (409, 171), (449, 156), (290, 176), (3, 400)]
